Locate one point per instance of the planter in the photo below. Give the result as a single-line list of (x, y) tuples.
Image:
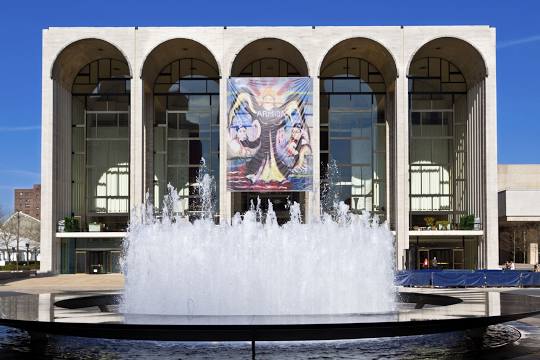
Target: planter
[(94, 227)]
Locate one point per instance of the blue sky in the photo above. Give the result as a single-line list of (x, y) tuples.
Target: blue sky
[(21, 22)]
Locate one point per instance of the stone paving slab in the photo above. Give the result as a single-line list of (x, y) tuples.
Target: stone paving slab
[(62, 283)]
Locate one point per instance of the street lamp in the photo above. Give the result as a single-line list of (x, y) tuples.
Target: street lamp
[(13, 252), (27, 248), (18, 237)]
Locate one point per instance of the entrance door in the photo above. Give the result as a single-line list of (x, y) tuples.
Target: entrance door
[(280, 202), (98, 259), (81, 262), (459, 262), (444, 258), (422, 256), (115, 261)]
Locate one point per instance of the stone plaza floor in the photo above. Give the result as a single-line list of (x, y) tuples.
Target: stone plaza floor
[(64, 283), (527, 347)]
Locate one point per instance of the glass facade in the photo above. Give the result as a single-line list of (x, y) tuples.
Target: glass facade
[(437, 155), (269, 67), (186, 130), (90, 255), (100, 145), (451, 252), (353, 133)]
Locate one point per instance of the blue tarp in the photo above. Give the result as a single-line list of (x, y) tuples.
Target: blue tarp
[(530, 279), (422, 278), (503, 278), (403, 278), (458, 278), (467, 278), (413, 278), (476, 279)]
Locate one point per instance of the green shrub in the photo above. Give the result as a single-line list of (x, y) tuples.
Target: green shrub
[(12, 266), (466, 222), (71, 224)]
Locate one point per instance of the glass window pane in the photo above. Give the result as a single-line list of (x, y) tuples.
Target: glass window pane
[(346, 85), (198, 101), (351, 151), (347, 124), (212, 86), (177, 152), (193, 86), (107, 125)]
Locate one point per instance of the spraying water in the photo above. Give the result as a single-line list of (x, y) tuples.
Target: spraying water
[(341, 264)]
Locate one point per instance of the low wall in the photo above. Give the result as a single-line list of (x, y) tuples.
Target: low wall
[(13, 275), (468, 278)]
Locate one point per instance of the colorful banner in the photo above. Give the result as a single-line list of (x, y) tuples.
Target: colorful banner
[(269, 141)]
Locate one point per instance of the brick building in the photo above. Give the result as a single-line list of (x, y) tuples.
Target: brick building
[(29, 201)]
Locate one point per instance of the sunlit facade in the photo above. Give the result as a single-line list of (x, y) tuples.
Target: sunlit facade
[(402, 122)]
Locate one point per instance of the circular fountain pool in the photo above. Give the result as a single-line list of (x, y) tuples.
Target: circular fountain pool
[(97, 315)]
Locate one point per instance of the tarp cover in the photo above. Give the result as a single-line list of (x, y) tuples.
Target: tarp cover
[(467, 278)]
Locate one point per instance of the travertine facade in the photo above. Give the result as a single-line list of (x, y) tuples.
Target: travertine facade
[(391, 49)]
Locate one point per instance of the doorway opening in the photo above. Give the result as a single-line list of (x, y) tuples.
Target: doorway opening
[(243, 201)]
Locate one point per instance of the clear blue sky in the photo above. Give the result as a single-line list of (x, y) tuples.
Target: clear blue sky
[(21, 22)]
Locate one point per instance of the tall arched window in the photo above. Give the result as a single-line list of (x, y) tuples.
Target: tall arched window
[(186, 129), (100, 143), (353, 133), (438, 128)]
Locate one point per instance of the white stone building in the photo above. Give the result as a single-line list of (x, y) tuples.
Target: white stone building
[(519, 213), (128, 110)]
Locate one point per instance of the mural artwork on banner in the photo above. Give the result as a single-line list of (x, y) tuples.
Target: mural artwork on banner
[(269, 141)]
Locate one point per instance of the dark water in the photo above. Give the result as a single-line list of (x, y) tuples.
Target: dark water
[(15, 344)]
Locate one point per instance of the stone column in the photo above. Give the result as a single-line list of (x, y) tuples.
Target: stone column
[(225, 206), (401, 196), (47, 178), (137, 142), (491, 229), (533, 253)]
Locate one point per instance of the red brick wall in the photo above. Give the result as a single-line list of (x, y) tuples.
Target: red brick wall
[(28, 201)]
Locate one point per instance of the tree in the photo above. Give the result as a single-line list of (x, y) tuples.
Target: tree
[(8, 234)]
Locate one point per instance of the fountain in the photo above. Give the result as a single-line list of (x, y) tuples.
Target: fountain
[(253, 266), (254, 280)]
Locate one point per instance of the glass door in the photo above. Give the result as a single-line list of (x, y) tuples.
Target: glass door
[(423, 259), (459, 259), (81, 262)]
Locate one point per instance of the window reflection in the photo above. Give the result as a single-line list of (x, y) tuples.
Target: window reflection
[(100, 144), (437, 91), (353, 132), (186, 129)]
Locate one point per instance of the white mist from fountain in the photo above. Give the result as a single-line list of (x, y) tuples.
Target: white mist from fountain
[(338, 264)]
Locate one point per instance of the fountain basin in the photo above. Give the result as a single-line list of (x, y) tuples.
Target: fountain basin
[(95, 316)]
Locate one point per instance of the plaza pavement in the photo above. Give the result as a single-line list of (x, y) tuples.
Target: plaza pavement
[(65, 283), (528, 347)]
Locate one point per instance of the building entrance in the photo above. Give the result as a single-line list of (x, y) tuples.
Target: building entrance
[(280, 202), (98, 261), (446, 258)]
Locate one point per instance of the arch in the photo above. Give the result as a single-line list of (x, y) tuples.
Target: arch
[(457, 51), (181, 97), (75, 55), (268, 65), (363, 48), (269, 48), (170, 50)]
